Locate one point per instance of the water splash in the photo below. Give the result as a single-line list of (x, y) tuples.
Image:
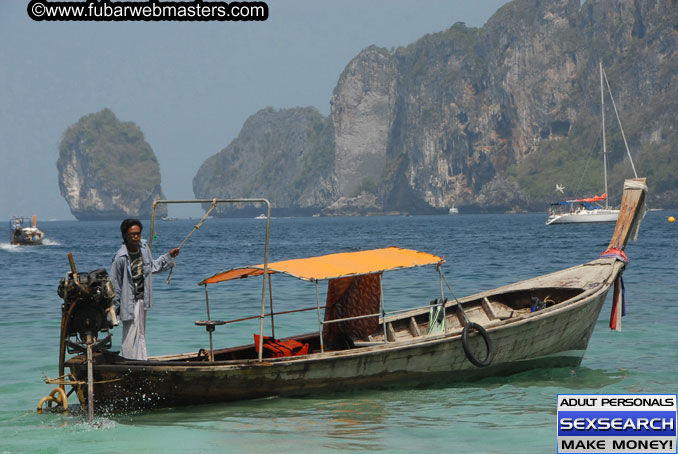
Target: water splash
[(18, 247), (10, 247), (99, 423)]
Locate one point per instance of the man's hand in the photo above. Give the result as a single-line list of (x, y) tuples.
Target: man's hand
[(174, 252)]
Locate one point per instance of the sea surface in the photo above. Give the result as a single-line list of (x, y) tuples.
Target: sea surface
[(494, 415)]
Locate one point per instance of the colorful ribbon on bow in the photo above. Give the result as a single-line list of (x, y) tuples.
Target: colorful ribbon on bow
[(619, 294)]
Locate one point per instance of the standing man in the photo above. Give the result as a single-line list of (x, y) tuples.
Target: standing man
[(131, 274)]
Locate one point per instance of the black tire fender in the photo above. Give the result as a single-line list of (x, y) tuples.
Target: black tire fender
[(488, 344)]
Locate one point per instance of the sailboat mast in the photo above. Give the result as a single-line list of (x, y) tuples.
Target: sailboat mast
[(602, 115)]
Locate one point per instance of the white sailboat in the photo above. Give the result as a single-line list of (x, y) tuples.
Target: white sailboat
[(588, 210)]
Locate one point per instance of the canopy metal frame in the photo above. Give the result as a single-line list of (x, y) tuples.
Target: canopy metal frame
[(266, 276), (382, 314), (266, 248)]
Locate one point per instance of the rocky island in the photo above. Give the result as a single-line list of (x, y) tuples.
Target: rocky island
[(107, 170)]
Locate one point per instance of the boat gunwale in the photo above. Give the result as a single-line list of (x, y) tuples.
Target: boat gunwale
[(169, 362)]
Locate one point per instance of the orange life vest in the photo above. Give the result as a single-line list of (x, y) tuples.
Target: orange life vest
[(274, 348)]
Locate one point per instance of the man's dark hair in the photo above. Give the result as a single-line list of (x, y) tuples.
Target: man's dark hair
[(127, 223)]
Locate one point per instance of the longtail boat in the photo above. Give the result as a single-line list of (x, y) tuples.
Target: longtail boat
[(25, 235), (545, 321)]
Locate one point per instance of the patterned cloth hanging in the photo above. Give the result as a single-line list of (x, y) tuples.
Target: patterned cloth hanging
[(619, 294)]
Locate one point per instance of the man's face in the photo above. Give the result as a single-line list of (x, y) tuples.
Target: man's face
[(133, 237)]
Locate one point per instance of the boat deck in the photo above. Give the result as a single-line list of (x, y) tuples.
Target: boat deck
[(491, 310)]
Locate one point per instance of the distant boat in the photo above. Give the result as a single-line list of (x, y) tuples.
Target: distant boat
[(581, 211), (454, 210), (261, 216), (588, 210), (21, 234)]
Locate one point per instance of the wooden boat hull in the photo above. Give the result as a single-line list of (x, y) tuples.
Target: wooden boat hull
[(546, 321), (553, 337), (27, 236), (28, 242)]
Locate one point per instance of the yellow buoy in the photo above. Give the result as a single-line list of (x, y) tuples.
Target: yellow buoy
[(671, 219)]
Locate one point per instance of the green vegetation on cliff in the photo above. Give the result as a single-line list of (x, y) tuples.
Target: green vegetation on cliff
[(113, 155), (576, 161), (318, 159)]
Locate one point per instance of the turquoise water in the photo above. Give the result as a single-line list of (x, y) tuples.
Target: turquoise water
[(495, 415)]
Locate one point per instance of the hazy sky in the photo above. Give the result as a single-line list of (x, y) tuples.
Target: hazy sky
[(189, 86)]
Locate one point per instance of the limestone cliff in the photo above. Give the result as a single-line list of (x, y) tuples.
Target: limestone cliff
[(285, 156), (491, 118), (107, 170), (363, 109), (517, 103)]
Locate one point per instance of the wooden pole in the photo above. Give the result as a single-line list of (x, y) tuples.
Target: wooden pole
[(64, 322), (90, 381), (72, 263), (270, 297), (630, 212), (210, 328)]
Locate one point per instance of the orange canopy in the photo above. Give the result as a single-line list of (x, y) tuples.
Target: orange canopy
[(335, 265)]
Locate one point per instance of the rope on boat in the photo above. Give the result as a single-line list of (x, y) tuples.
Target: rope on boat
[(449, 288), (465, 333), (66, 379), (70, 380), (609, 90), (204, 218)]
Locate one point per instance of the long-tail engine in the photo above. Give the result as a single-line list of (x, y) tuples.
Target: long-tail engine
[(88, 298)]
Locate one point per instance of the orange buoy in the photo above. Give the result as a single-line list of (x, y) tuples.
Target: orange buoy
[(671, 219)]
